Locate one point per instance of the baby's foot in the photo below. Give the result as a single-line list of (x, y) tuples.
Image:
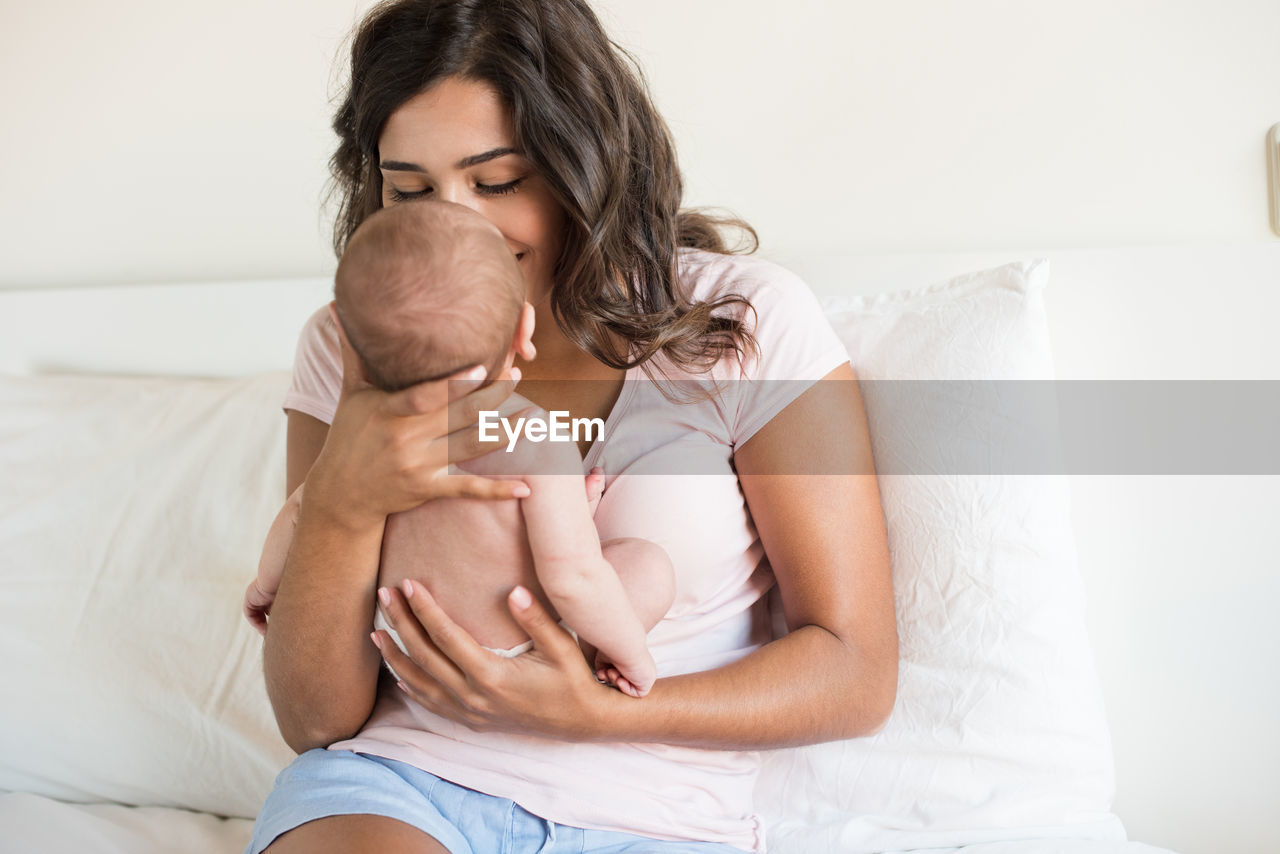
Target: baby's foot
[(637, 685), (610, 676)]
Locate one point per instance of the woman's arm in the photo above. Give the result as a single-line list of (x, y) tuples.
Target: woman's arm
[(321, 671), (304, 438), (834, 676), (384, 453)]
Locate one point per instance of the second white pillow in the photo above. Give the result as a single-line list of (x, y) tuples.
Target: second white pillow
[(998, 732)]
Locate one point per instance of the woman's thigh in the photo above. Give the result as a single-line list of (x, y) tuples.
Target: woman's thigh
[(336, 800), (342, 834)]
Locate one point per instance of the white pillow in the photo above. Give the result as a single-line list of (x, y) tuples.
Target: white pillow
[(998, 732), (132, 512)]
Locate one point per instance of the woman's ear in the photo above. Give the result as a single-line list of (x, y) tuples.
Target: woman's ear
[(522, 346)]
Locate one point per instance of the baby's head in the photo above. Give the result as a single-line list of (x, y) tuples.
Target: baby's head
[(425, 289)]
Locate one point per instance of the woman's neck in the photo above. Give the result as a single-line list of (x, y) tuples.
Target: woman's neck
[(561, 359), (565, 377)]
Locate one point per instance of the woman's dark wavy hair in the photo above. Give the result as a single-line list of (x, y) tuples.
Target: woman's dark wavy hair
[(584, 120)]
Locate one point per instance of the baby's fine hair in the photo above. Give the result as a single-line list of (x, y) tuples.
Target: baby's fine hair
[(425, 289)]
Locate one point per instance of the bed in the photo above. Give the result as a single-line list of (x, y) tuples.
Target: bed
[(143, 451)]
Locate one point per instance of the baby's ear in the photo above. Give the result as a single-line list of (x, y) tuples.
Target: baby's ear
[(523, 343)]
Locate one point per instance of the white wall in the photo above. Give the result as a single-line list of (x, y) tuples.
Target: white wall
[(148, 140)]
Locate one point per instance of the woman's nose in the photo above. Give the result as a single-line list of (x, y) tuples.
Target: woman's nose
[(456, 193), (447, 193)]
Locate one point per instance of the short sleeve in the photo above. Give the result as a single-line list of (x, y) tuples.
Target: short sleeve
[(317, 369), (795, 347)]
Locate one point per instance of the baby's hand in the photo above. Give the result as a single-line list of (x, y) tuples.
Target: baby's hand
[(636, 682), (595, 488), (257, 604)]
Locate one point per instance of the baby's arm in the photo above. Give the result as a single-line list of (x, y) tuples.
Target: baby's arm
[(581, 584), (262, 590)]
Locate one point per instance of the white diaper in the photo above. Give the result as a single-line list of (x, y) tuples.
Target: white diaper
[(380, 622)]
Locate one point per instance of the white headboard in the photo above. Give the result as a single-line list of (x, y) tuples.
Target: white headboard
[(205, 329), (1204, 312)]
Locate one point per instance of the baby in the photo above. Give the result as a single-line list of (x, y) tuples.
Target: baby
[(423, 290)]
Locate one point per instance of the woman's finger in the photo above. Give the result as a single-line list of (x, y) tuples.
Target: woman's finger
[(466, 656), (430, 696), (464, 394), (464, 409), (421, 658), (420, 685), (410, 678), (432, 396), (548, 636), (467, 443), (484, 488)]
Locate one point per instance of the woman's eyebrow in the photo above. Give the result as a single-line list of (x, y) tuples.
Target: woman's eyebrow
[(477, 159), (464, 163)]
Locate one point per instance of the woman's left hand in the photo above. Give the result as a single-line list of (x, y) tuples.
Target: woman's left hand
[(547, 691)]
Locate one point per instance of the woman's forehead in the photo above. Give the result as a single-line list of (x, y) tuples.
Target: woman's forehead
[(452, 120)]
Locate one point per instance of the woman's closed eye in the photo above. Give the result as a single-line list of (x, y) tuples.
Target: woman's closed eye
[(397, 195), (404, 196), (499, 189)]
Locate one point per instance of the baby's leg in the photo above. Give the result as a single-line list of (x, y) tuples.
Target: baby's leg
[(648, 579), (261, 592), (646, 574)]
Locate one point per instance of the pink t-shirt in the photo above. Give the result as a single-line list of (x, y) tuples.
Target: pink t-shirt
[(669, 479)]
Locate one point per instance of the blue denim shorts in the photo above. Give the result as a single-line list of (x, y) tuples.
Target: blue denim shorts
[(322, 783)]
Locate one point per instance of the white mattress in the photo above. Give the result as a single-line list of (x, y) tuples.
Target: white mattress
[(31, 824)]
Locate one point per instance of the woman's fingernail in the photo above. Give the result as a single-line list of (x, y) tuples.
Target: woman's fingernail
[(384, 595), (373, 636), (408, 588), (515, 374), (520, 598), (474, 374), (521, 491)]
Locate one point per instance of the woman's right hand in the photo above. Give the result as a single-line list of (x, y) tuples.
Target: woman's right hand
[(386, 452)]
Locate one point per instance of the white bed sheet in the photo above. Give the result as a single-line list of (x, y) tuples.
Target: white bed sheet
[(31, 824)]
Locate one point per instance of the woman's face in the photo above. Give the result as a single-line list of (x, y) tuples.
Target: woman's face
[(455, 142)]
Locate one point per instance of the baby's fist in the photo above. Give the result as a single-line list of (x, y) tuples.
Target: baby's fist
[(595, 488), (257, 605)]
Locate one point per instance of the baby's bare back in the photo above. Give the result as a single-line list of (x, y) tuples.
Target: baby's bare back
[(469, 554)]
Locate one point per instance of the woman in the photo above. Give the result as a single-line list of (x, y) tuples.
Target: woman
[(524, 111)]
